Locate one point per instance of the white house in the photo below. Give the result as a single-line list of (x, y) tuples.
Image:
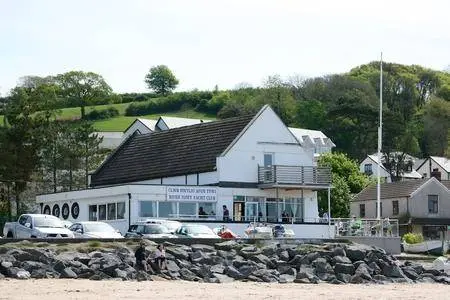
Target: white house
[(253, 165), (313, 140), (370, 163), (435, 166)]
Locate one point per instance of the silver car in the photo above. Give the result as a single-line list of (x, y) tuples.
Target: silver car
[(149, 230)]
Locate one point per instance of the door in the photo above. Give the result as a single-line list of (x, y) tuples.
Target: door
[(238, 211), (23, 231), (268, 159), (251, 211)]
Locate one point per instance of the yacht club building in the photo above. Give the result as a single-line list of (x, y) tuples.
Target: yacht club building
[(253, 165)]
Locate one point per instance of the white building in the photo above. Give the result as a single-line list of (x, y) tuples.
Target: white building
[(253, 165), (435, 166), (369, 167)]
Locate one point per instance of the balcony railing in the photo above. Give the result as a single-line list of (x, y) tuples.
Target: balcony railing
[(294, 175)]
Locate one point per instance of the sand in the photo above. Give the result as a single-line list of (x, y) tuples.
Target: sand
[(87, 289)]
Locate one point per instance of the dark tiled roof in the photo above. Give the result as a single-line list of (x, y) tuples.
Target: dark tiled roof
[(179, 151), (390, 190)]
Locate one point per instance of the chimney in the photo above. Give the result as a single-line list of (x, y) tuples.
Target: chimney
[(436, 174)]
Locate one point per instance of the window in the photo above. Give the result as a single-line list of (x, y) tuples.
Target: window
[(431, 232), (432, 204), (395, 207), (92, 212), (102, 212), (111, 211), (148, 209), (167, 209), (368, 169), (188, 209), (209, 208), (120, 210), (381, 209), (362, 210), (268, 159)]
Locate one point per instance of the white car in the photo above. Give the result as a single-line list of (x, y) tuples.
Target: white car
[(36, 226), (169, 224), (149, 231), (196, 231), (92, 229)]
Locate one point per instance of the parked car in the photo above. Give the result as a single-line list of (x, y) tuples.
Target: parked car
[(196, 231), (36, 226), (93, 229), (149, 230), (170, 224), (66, 223)]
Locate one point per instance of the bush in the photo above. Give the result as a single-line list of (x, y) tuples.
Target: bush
[(412, 238), (108, 113)]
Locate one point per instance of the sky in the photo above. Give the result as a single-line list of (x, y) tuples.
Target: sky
[(211, 42)]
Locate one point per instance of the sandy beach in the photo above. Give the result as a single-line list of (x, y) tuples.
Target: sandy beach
[(86, 289)]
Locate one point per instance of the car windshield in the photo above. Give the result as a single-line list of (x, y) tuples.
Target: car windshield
[(199, 230), (48, 221), (155, 229), (172, 226), (98, 227)]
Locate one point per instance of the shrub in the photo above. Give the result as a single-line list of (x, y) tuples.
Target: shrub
[(108, 113), (412, 238)]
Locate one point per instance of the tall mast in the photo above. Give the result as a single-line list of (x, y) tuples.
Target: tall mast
[(380, 137)]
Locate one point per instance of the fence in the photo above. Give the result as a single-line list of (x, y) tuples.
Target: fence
[(366, 227)]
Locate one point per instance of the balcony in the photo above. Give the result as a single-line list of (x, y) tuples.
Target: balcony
[(294, 177)]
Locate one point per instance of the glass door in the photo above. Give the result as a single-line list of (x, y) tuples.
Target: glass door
[(251, 211)]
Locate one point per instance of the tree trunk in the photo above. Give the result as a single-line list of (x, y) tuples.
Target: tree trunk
[(83, 112)]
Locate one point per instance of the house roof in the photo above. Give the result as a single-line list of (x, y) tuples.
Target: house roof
[(179, 151), (175, 122), (391, 190), (150, 124), (313, 137)]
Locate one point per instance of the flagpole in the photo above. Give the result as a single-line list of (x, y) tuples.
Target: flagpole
[(380, 136)]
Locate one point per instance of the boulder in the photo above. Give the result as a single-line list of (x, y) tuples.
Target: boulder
[(363, 272), (107, 263), (172, 266), (283, 255), (188, 275), (203, 248), (68, 273), (261, 258), (393, 271), (269, 250), (233, 272), (21, 255), (177, 252), (18, 273), (218, 269), (418, 268), (5, 266), (286, 278), (322, 266), (345, 278), (227, 245), (341, 260), (222, 278), (381, 278), (344, 268), (239, 261), (227, 254), (357, 279), (338, 251), (306, 272), (410, 273), (247, 270), (143, 276), (43, 273), (32, 265), (249, 251), (375, 268), (121, 274), (357, 252), (199, 257)]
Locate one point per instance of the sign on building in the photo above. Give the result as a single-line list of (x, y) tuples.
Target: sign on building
[(186, 193)]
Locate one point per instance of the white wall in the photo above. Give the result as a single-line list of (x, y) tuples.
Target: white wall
[(267, 134), (178, 180), (136, 126), (384, 173), (425, 169)]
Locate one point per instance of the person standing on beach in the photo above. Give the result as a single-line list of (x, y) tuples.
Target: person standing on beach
[(141, 258)]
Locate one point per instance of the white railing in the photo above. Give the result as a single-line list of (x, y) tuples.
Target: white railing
[(365, 227)]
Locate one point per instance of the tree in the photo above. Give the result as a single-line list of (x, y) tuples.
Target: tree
[(83, 88), (161, 80), (436, 126), (346, 180)]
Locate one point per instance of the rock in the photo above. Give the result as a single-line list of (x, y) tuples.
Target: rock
[(381, 278), (227, 254), (418, 268), (5, 266), (357, 252), (42, 273), (172, 266), (363, 272), (249, 251), (302, 280), (344, 268), (254, 278), (341, 259), (432, 271), (218, 269), (286, 278), (345, 278), (441, 263), (269, 250), (22, 274), (21, 255), (239, 261), (375, 268), (310, 257), (203, 248), (442, 279), (121, 274), (339, 251), (227, 245), (177, 252), (68, 273), (261, 258), (265, 275), (283, 255), (222, 278), (322, 266), (199, 257), (188, 275), (393, 271), (233, 272), (401, 280), (69, 257), (305, 272), (142, 276), (247, 270), (107, 263), (215, 259), (356, 264), (287, 270), (410, 273), (336, 281), (32, 265), (357, 279)]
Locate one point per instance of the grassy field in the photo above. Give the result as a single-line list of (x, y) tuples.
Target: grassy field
[(122, 122)]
